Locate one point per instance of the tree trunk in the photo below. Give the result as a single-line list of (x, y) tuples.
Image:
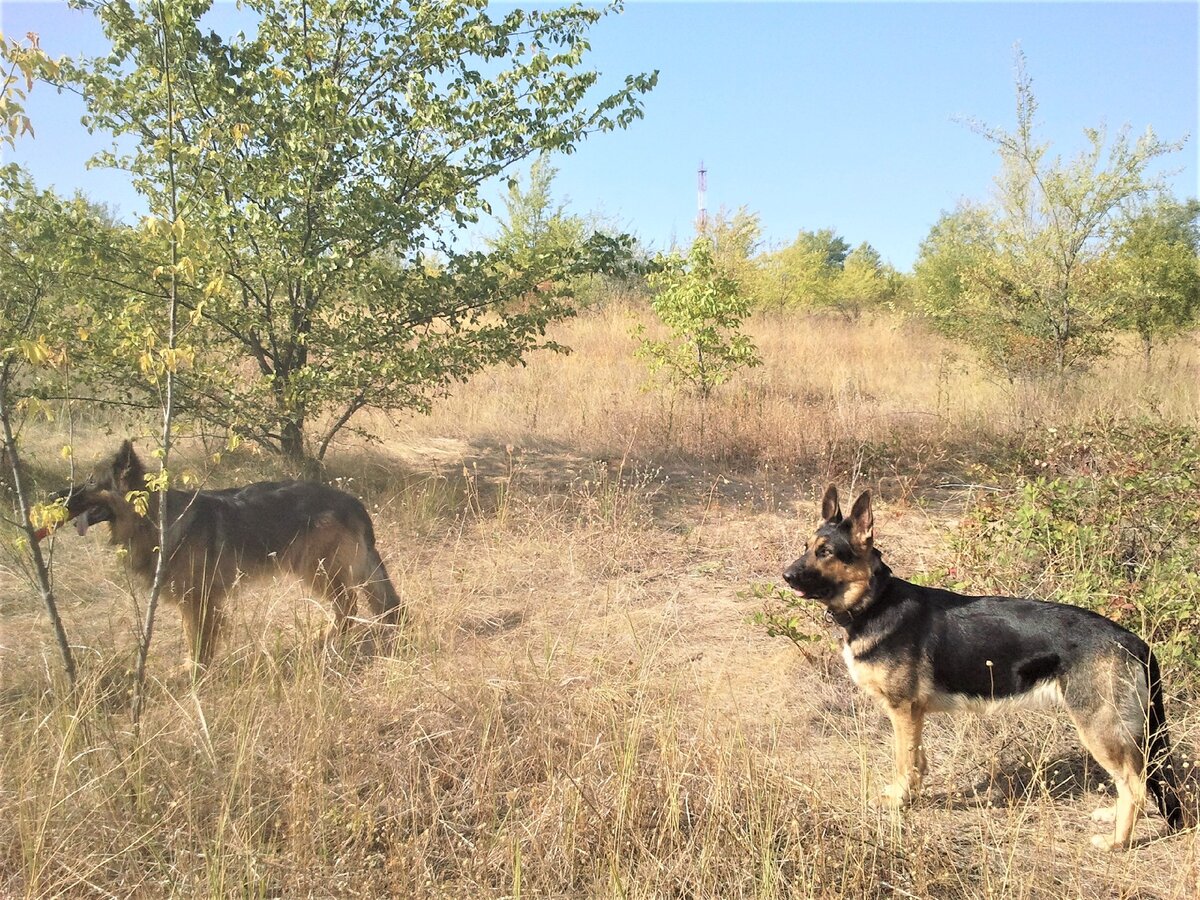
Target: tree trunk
[(291, 439), (40, 569), (168, 397), (289, 416), (1064, 334), (292, 445)]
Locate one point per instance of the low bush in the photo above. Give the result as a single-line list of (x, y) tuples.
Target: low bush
[(1106, 517)]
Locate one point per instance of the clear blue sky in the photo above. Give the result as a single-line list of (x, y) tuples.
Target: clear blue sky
[(811, 114)]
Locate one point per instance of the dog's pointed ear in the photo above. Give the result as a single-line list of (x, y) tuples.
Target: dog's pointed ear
[(124, 457), (862, 522), (831, 510), (128, 471)]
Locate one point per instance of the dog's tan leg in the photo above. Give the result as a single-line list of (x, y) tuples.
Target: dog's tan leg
[(1131, 801), (201, 622), (908, 720), (342, 599), (327, 565), (189, 609), (1106, 736), (329, 583)]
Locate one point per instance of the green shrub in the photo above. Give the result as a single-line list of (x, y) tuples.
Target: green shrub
[(705, 310), (1106, 517)]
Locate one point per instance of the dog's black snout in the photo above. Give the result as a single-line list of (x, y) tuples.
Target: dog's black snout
[(65, 496), (792, 575), (73, 498)]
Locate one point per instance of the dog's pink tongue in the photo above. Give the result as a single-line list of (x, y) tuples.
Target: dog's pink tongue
[(81, 524)]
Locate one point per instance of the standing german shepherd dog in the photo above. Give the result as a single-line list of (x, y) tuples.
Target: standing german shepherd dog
[(919, 650), (216, 538)]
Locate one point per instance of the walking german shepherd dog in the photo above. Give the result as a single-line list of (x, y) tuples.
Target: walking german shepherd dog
[(216, 538), (919, 650)]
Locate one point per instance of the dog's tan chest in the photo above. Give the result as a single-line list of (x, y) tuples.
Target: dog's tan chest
[(848, 656), (870, 677)]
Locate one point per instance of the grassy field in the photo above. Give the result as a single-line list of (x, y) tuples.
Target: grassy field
[(581, 707)]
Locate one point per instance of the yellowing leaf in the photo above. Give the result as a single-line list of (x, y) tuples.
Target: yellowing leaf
[(40, 353), (176, 358), (34, 351), (140, 500), (47, 515), (215, 285)]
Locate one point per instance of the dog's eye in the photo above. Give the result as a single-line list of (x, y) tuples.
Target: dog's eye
[(824, 551)]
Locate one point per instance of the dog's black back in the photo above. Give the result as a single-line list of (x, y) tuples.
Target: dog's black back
[(256, 520), (987, 647)]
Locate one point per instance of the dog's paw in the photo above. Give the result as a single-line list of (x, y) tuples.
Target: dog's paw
[(188, 671), (1107, 843), (1105, 815), (893, 797)]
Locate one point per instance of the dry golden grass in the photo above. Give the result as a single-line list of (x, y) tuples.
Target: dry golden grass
[(827, 386), (581, 707)]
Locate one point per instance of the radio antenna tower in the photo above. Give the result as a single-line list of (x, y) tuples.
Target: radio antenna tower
[(701, 190)]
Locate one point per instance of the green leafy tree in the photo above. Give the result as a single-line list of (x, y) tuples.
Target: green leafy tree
[(957, 244), (537, 226), (1154, 275), (33, 271), (804, 273), (831, 246), (329, 162), (736, 238), (1051, 224), (862, 283), (704, 309), (33, 354), (794, 276), (539, 231), (949, 266)]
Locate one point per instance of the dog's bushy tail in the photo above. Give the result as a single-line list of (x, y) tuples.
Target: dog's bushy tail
[(1162, 778), (383, 593), (373, 575)]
